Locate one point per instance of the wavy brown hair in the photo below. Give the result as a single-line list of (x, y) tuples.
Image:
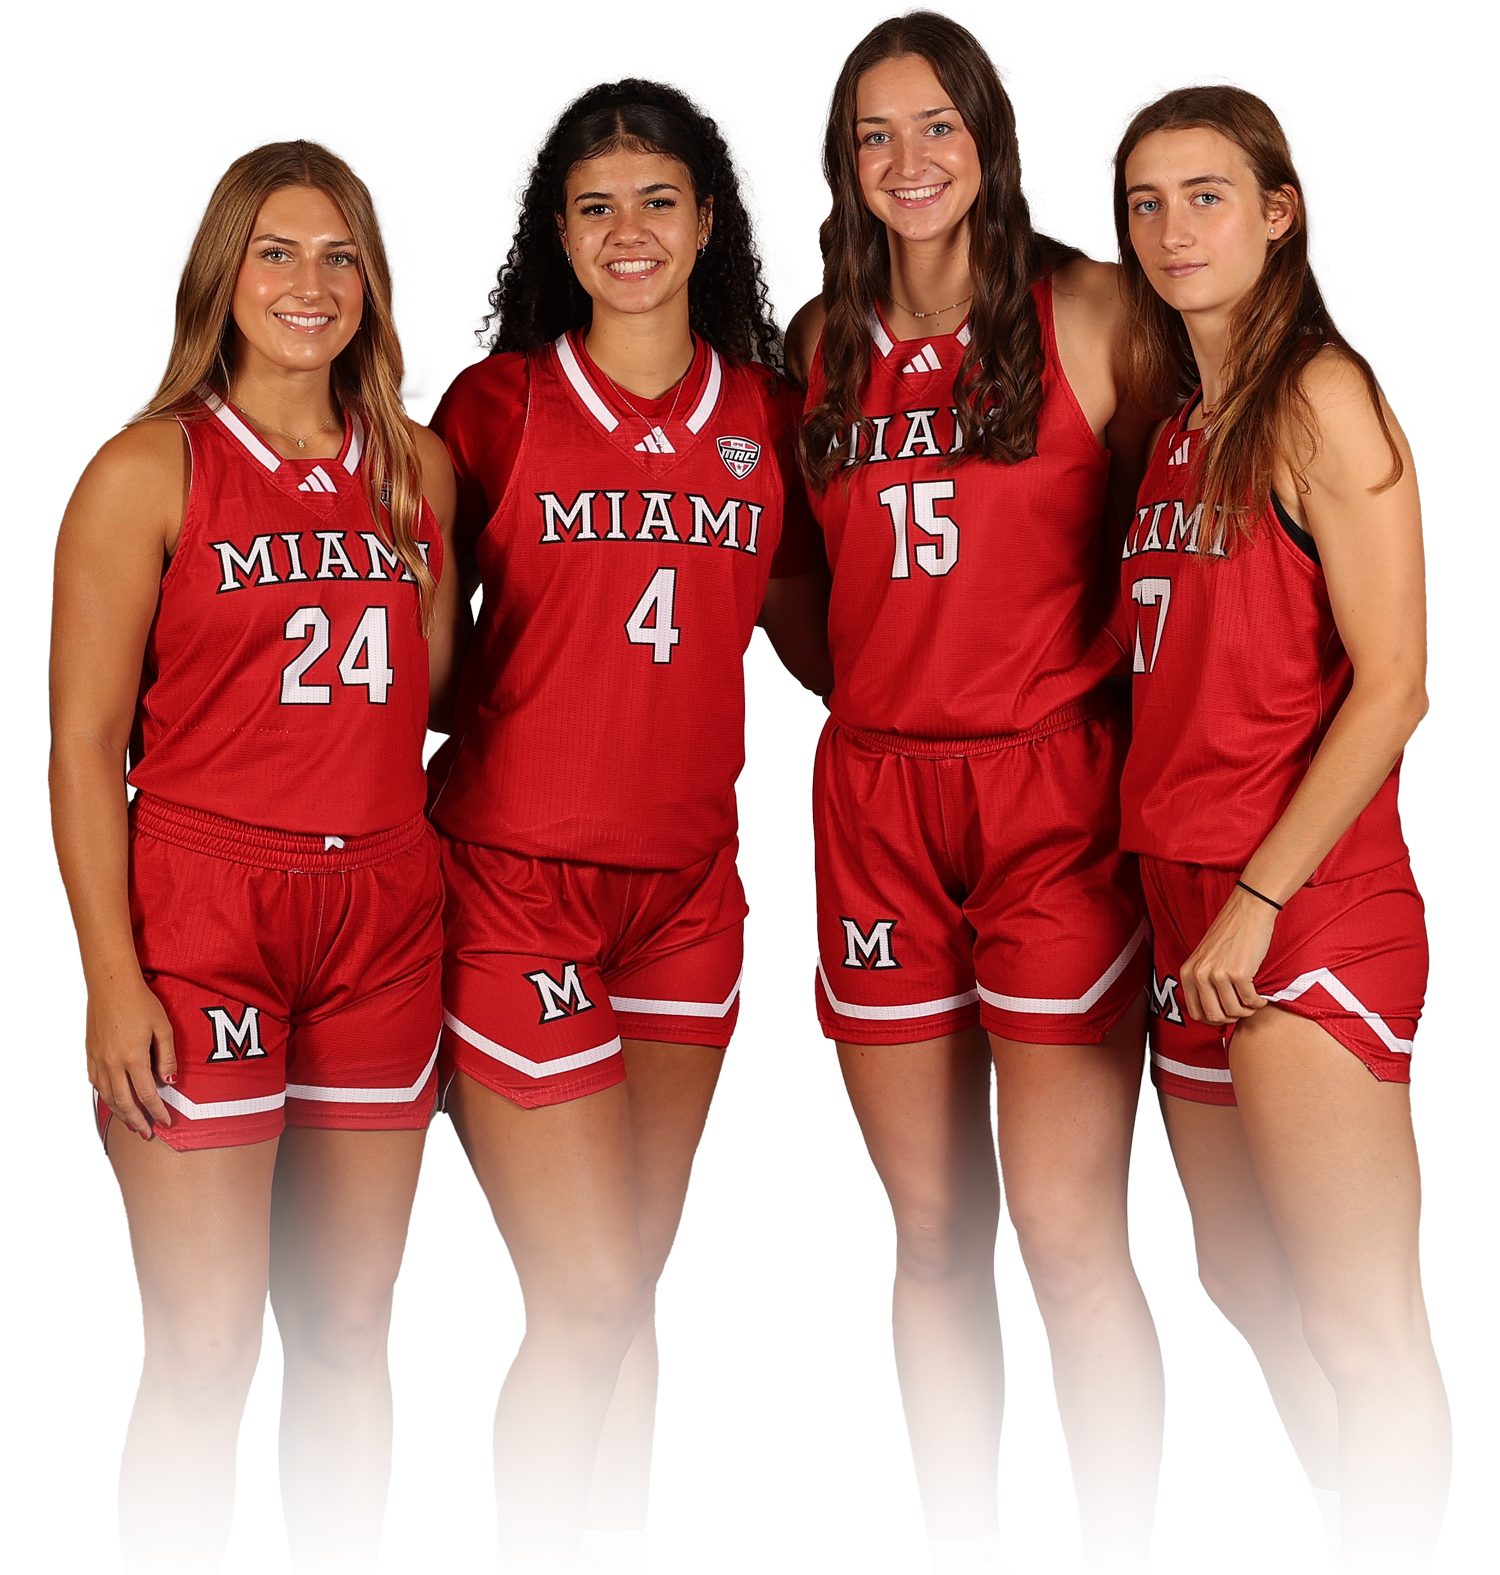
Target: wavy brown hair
[(1276, 330), (365, 377), (998, 387)]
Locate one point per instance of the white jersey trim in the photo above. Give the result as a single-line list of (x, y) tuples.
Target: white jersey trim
[(636, 1003), (218, 1108), (581, 385), (964, 334), (1349, 1001), (521, 1063), (366, 1096), (356, 443), (1059, 1008), (888, 1014), (705, 406), (237, 428), (883, 341), (1198, 1074)]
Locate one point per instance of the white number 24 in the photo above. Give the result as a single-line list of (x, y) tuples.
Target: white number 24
[(371, 640)]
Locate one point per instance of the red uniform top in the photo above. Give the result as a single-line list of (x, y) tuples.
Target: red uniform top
[(285, 679), (624, 547), (968, 600), (1238, 669)]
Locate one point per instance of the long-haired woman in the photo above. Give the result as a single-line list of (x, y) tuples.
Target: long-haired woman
[(622, 461), (974, 910), (1273, 586), (249, 597)]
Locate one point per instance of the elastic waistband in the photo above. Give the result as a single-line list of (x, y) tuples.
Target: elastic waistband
[(1070, 715), (201, 832)]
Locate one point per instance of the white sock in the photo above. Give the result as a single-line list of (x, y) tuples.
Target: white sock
[(1327, 1500), (612, 1552), (966, 1555)]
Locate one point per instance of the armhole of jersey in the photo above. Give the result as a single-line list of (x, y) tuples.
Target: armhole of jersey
[(1294, 533), (1041, 295), (519, 458), (190, 509)]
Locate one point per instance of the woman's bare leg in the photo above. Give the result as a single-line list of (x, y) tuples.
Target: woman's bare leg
[(670, 1087), (1335, 1157), (560, 1181), (1066, 1114), (341, 1203), (1245, 1271), (199, 1230), (924, 1112)]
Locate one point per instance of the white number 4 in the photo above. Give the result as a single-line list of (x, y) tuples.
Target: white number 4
[(371, 640), (658, 599)]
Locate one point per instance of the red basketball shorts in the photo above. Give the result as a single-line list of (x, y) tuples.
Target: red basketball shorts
[(977, 881), (301, 975), (1350, 956), (551, 963)]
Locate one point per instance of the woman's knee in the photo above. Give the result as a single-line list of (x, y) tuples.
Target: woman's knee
[(340, 1334), (1069, 1259), (1367, 1340), (943, 1238), (201, 1367), (596, 1314)]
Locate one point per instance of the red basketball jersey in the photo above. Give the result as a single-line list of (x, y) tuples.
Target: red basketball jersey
[(1238, 670), (285, 679), (624, 547), (968, 599)]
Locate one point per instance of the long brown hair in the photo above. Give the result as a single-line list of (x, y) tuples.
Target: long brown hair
[(998, 389), (366, 376), (1276, 330)]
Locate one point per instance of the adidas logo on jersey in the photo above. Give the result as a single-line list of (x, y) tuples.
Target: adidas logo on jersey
[(655, 442), (925, 360), (318, 480), (741, 455), (1179, 455)]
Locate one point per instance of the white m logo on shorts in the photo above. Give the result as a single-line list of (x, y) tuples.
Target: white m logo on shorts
[(235, 1041), (860, 949), (1163, 1001), (558, 995)]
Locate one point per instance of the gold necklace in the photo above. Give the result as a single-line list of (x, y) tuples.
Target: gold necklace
[(937, 311), (291, 437)]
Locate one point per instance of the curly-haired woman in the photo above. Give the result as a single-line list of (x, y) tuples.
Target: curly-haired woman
[(628, 503)]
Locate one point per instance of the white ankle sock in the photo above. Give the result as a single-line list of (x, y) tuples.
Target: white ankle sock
[(966, 1555), (612, 1552), (1327, 1500)]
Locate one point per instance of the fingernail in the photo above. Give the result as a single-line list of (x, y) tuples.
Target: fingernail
[(170, 1080)]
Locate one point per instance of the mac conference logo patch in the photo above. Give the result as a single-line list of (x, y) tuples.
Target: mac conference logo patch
[(740, 454)]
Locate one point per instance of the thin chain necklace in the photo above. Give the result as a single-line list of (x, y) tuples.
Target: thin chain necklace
[(291, 437), (672, 411), (937, 311)]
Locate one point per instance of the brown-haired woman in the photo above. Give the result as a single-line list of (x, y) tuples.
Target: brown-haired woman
[(249, 592), (974, 909), (1273, 577)]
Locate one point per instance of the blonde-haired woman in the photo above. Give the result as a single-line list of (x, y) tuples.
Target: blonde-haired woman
[(249, 593)]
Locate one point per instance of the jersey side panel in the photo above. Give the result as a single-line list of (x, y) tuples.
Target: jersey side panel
[(285, 681)]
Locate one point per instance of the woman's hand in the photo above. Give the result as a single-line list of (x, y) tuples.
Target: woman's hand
[(1218, 979), (129, 1044)]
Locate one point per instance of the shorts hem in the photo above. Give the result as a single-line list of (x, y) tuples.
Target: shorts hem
[(908, 1031), (711, 1034), (546, 1091)]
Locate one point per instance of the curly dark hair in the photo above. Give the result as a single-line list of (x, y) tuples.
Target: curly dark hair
[(537, 295)]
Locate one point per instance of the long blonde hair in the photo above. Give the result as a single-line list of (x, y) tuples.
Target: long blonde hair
[(366, 376)]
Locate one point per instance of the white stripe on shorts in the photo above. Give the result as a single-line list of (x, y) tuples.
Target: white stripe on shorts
[(1348, 1000), (212, 1109), (887, 1014), (512, 1058), (636, 1003), (1198, 1074), (366, 1096), (1060, 1008)]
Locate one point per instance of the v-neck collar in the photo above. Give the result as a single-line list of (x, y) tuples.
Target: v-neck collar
[(312, 477), (651, 433)]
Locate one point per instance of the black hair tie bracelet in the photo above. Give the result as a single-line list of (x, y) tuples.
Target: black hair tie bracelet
[(1278, 906)]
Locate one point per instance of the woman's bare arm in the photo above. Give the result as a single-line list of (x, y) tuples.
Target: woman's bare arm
[(1369, 539), (120, 529)]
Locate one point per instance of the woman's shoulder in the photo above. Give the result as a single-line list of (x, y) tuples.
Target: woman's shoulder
[(150, 453), (494, 388), (1083, 287), (802, 335)]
